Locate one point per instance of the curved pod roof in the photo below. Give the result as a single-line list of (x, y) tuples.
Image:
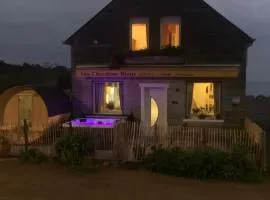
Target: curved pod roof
[(56, 101)]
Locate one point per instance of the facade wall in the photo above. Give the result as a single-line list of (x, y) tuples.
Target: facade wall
[(82, 91), (234, 115), (230, 88), (206, 38)]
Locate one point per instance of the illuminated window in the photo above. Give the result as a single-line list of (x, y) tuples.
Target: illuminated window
[(170, 32), (108, 97), (203, 100), (139, 34)]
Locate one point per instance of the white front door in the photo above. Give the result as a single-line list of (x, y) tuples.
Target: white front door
[(154, 104)]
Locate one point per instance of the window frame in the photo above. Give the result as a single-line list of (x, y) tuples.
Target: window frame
[(168, 20), (138, 20), (121, 86), (187, 113)]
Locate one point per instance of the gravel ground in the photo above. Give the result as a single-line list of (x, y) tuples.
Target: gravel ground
[(21, 181)]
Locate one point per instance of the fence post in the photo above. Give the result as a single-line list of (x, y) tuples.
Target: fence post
[(264, 151), (25, 131), (70, 128), (204, 139)]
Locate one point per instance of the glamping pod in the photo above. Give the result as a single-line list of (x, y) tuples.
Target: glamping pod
[(39, 106)]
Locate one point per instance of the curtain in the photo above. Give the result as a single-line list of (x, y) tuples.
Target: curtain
[(165, 35), (99, 96), (121, 96), (147, 38), (189, 97), (217, 97)]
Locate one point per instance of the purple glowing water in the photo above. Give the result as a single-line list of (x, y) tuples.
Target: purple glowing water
[(93, 122)]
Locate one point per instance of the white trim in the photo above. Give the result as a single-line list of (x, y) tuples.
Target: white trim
[(145, 92), (154, 85)]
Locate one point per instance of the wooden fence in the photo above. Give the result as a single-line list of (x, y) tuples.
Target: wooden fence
[(131, 141), (134, 140), (254, 131)]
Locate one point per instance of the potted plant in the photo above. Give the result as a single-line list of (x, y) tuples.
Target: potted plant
[(196, 111), (218, 116), (202, 116), (5, 147), (110, 105)]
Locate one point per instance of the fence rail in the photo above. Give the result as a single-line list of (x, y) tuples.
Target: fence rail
[(132, 140)]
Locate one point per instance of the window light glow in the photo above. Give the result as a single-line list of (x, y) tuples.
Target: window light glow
[(203, 99), (170, 35), (139, 37), (108, 99)]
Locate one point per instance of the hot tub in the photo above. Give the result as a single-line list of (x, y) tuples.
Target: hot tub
[(95, 122)]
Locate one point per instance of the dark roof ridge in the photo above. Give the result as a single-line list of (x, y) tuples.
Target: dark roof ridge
[(230, 22), (69, 39)]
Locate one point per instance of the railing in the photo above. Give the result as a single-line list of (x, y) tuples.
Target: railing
[(132, 140)]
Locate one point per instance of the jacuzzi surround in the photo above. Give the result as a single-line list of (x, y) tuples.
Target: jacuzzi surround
[(94, 122)]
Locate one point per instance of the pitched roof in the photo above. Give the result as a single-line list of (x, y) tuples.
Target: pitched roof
[(99, 14), (118, 4), (229, 22)]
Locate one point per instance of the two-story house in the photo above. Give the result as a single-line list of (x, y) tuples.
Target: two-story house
[(162, 61)]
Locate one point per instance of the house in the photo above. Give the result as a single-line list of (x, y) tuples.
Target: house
[(162, 61)]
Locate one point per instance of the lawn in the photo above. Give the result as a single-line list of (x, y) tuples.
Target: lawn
[(32, 182)]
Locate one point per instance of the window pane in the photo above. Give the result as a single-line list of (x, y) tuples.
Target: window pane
[(204, 100), (139, 37), (170, 35), (108, 97), (154, 112)]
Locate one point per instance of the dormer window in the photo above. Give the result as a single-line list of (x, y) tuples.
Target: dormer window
[(139, 34), (170, 32)]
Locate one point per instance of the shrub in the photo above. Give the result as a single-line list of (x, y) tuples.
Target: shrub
[(4, 147), (72, 149), (33, 156), (203, 164)]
